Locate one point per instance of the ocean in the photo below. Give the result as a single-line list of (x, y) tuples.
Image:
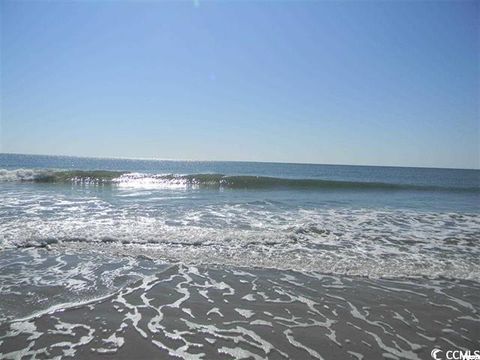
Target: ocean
[(204, 259)]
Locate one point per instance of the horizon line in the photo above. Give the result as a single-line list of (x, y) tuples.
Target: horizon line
[(239, 161)]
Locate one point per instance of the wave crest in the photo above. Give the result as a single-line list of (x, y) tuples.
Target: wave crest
[(128, 179)]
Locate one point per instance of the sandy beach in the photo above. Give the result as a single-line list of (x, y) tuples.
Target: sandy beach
[(198, 312)]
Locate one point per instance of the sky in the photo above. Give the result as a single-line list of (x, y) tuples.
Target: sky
[(372, 83)]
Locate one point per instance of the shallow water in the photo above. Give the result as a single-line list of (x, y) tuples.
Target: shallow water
[(178, 311)]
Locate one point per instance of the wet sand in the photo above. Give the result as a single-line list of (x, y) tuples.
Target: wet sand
[(195, 312)]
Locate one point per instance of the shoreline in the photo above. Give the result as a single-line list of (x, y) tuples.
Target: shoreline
[(171, 310)]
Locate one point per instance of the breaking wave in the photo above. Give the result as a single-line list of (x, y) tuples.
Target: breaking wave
[(126, 179)]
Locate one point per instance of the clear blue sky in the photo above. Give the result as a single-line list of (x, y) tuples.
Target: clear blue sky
[(381, 83)]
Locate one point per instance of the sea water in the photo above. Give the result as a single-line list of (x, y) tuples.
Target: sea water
[(376, 221), (76, 230)]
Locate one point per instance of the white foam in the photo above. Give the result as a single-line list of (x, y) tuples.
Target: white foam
[(245, 313), (366, 242), (23, 174)]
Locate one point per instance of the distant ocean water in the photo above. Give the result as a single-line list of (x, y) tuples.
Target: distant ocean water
[(190, 259)]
